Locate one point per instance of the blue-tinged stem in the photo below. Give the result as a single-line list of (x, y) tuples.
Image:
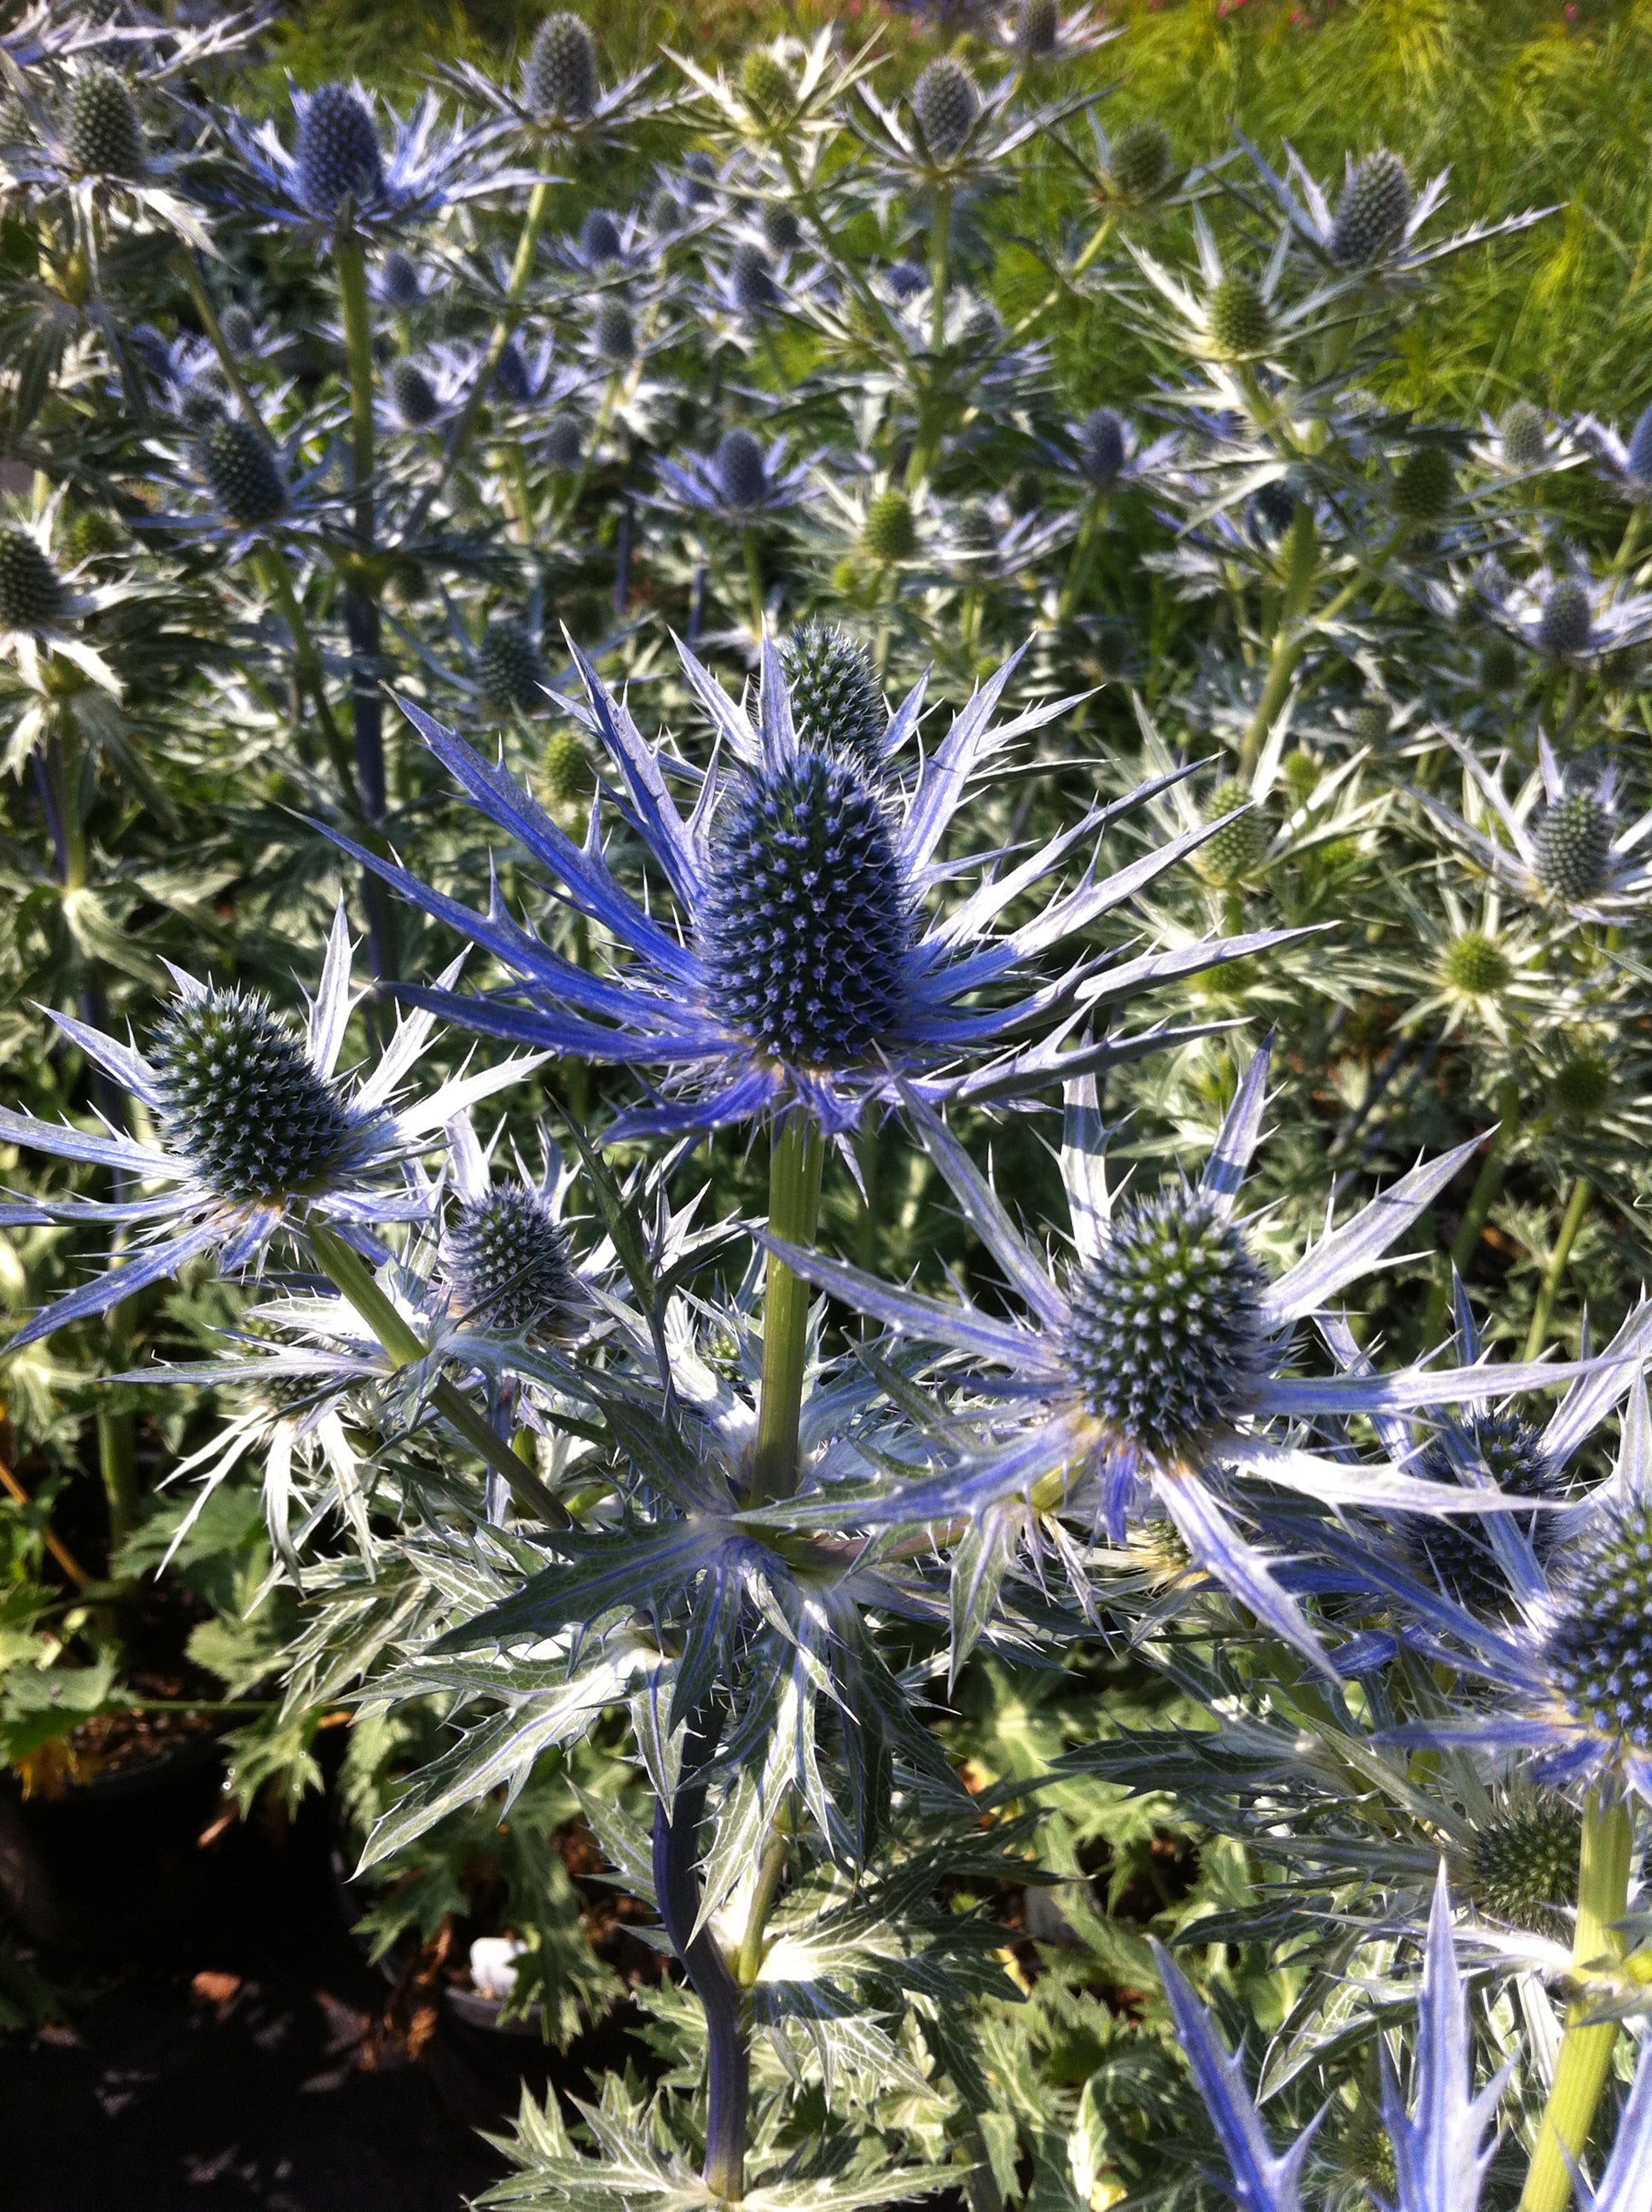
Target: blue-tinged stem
[(677, 1888), (360, 605), (796, 1156), (1585, 2059)]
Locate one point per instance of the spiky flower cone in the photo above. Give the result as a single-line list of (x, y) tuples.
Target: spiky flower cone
[(1565, 623), (1235, 851), (412, 394), (1424, 488), (1166, 1337), (1241, 323), (240, 1098), (31, 593), (1573, 845), (1522, 1866), (1141, 159), (560, 75), (337, 153), (1476, 965), (1372, 211), (102, 135), (509, 669), (835, 698), (946, 101), (890, 532), (613, 334), (242, 469), (739, 467), (765, 83), (1523, 435), (806, 928), (506, 1259)]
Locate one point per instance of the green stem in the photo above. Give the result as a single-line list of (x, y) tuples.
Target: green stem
[(62, 765), (1585, 2060), (189, 269), (271, 564), (754, 577), (1629, 541), (1483, 1196), (748, 1965), (358, 355), (796, 1156), (533, 224), (1572, 1221), (940, 241), (350, 1275)]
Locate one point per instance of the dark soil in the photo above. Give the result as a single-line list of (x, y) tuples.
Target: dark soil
[(224, 2043)]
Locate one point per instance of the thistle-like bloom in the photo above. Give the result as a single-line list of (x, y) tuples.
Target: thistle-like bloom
[(1564, 614), (38, 608), (1037, 30), (1158, 1364), (339, 170), (1441, 2156), (92, 148), (560, 101), (804, 971), (1104, 453), (1571, 851), (1372, 230), (1569, 1663), (255, 1132), (739, 482)]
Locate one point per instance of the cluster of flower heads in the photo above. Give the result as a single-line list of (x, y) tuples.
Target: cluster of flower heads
[(1357, 805)]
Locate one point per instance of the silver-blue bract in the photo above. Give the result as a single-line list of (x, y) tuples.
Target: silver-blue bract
[(1441, 2154), (1160, 1363), (224, 1187), (943, 1003)]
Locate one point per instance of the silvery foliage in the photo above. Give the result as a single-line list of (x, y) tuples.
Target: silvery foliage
[(351, 400)]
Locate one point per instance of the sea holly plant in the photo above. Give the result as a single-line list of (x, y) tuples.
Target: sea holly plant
[(914, 636)]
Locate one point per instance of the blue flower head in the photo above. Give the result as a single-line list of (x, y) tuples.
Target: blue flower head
[(1159, 1367), (255, 1133), (810, 967)]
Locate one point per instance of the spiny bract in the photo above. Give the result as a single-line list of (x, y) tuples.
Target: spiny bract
[(1140, 159), (1371, 210), (1574, 844), (102, 133), (738, 465), (946, 101), (506, 1259), (1165, 1342), (1523, 1865), (240, 467), (509, 669), (337, 153), (806, 926), (241, 1102), (560, 75), (31, 592), (1599, 1649), (836, 701), (1455, 1551)]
